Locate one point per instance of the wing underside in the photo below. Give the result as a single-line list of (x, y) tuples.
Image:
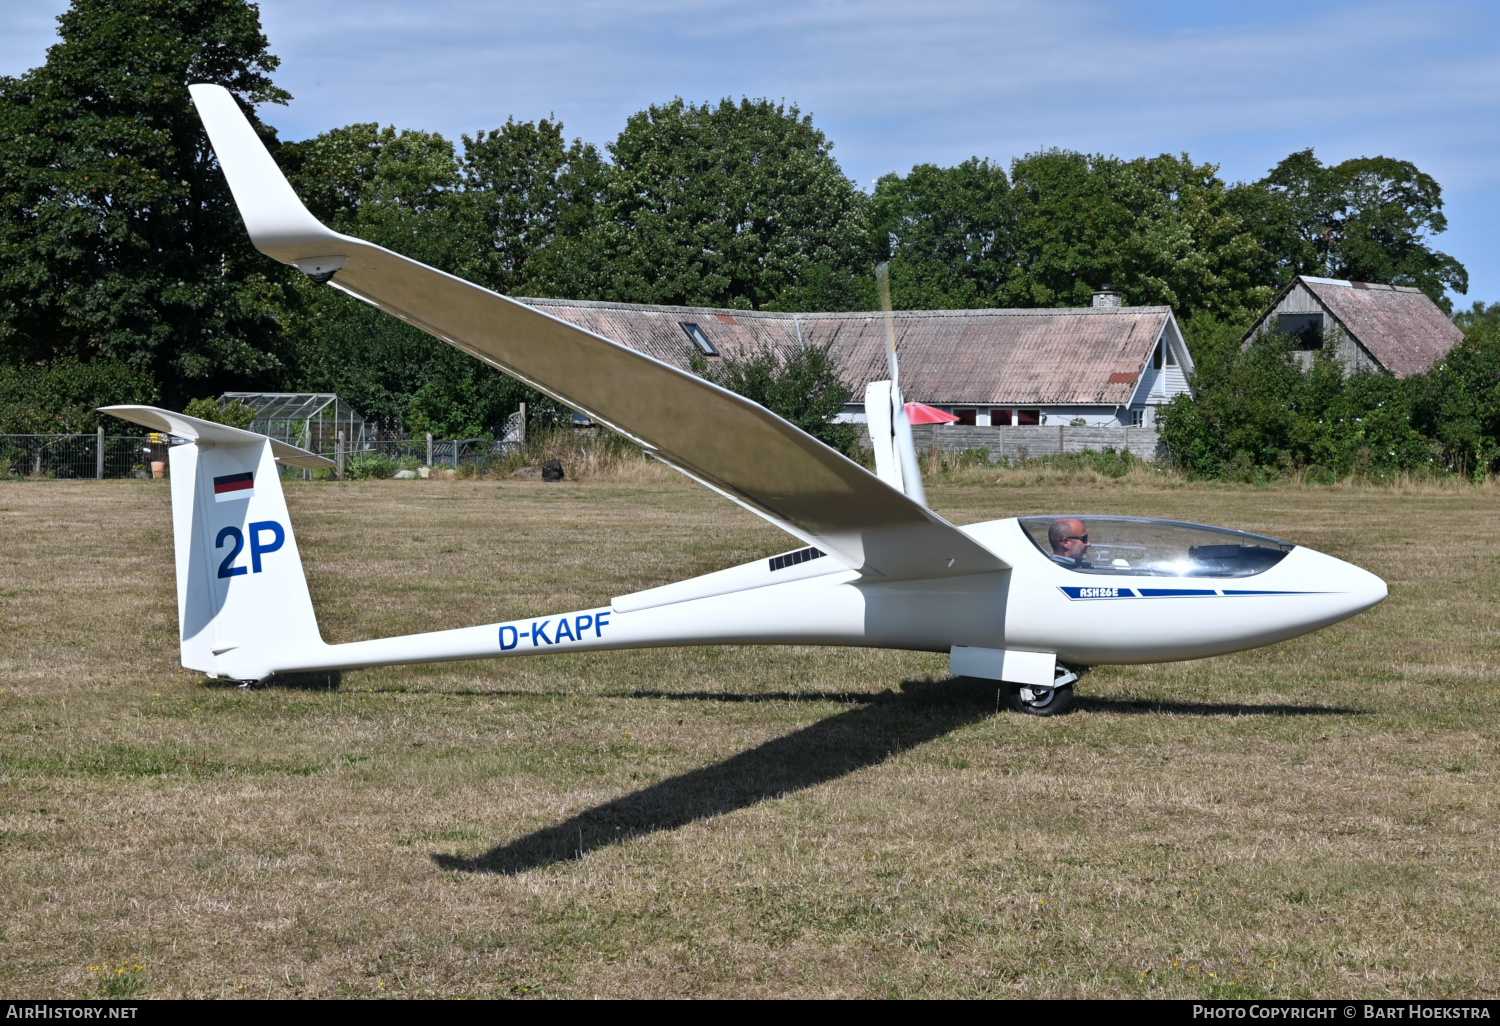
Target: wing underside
[(721, 439)]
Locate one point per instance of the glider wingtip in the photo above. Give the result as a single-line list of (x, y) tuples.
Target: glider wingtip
[(279, 224)]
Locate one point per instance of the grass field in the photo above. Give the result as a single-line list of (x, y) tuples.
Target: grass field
[(1317, 818)]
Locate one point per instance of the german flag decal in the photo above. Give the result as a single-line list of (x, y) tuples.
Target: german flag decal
[(234, 486)]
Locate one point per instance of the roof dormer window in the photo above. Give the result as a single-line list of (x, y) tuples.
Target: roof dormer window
[(699, 339)]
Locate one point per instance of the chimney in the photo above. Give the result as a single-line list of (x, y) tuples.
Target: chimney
[(1107, 295)]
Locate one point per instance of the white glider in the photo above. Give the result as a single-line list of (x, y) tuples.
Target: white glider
[(876, 567)]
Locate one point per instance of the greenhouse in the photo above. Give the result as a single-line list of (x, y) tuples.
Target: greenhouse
[(309, 420)]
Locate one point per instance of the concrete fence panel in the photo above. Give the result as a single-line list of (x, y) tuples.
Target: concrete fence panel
[(1008, 443)]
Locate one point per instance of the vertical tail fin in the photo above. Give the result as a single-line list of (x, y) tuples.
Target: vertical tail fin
[(243, 606), (906, 472), (878, 418), (890, 436)]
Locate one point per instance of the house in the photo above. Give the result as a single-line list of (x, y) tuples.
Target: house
[(1394, 329), (1105, 365)]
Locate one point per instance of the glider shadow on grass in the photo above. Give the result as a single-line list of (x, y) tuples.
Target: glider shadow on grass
[(883, 725), (887, 724)]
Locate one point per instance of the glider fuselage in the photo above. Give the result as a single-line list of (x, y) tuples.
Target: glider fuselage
[(1037, 605)]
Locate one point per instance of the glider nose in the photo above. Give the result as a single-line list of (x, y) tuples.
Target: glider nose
[(1363, 588), (1352, 589)]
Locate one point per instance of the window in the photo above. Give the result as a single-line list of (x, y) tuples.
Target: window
[(1307, 329), (1138, 547), (1028, 416), (969, 417), (1156, 357), (1171, 354), (1137, 418), (999, 418), (699, 339)]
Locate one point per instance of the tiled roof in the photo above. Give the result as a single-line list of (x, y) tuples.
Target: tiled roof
[(1003, 357), (1400, 326)]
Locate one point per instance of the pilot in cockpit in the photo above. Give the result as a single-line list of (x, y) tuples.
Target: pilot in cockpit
[(1069, 539)]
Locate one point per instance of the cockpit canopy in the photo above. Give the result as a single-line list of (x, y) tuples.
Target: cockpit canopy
[(1141, 547)]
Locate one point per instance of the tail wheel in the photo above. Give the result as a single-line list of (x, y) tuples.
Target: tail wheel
[(1041, 701)]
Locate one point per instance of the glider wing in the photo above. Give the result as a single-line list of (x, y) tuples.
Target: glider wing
[(720, 439)]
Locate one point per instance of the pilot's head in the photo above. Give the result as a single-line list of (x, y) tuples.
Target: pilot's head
[(1068, 538)]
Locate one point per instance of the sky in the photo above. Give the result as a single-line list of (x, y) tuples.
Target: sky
[(895, 84)]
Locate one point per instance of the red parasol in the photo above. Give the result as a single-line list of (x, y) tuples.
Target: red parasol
[(920, 413)]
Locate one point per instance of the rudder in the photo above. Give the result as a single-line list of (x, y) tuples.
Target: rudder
[(243, 607)]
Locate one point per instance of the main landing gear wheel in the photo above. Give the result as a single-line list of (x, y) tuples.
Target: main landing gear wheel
[(1045, 701), (1041, 701)]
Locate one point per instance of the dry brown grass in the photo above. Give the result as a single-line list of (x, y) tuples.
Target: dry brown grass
[(587, 455), (1317, 818)]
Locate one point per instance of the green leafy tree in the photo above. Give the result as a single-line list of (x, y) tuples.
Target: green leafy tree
[(802, 386), (948, 233), (459, 397), (1457, 403), (119, 242), (405, 190), (524, 188), (398, 189), (1212, 339), (735, 205), (1159, 229), (1366, 219), (65, 394), (1477, 315), (1060, 226)]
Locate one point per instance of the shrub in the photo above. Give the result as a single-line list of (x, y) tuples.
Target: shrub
[(64, 397), (235, 414), (802, 386), (1258, 414), (363, 465)]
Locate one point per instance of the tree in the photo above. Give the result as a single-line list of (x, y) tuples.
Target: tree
[(525, 187), (397, 189), (64, 395), (1457, 403), (405, 190), (1062, 225), (1478, 314), (735, 205), (1156, 228), (949, 234), (1366, 219), (119, 242)]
